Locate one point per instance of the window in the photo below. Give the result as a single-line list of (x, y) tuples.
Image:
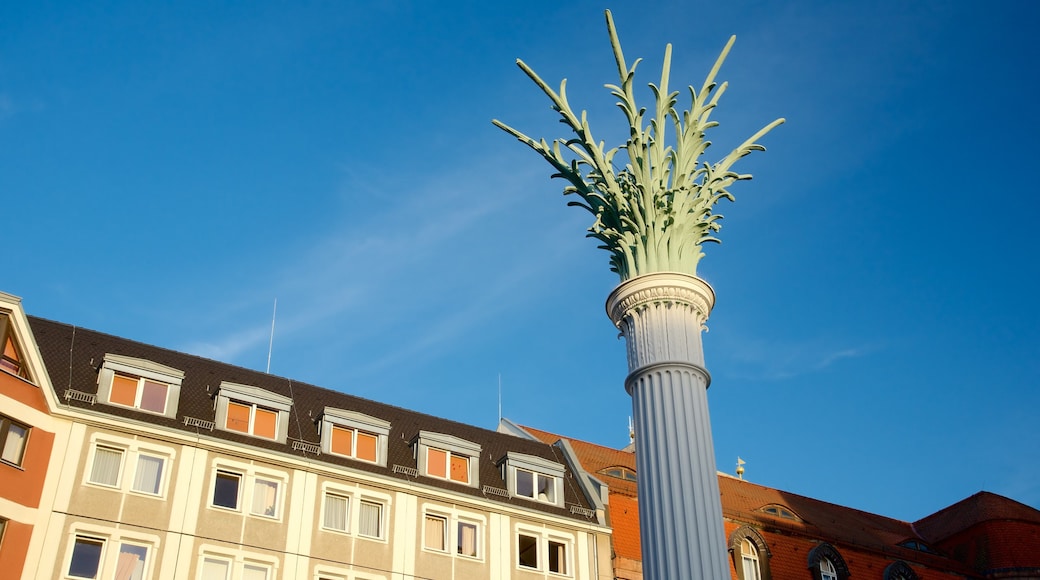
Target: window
[(336, 513), (451, 532), (3, 528), (225, 489), (144, 465), (13, 436), (107, 465), (827, 570), (254, 572), (354, 435), (527, 549), (557, 557), (447, 457), (139, 384), (536, 486), (899, 570), (827, 564), (750, 554), (216, 564), (540, 550), (215, 569), (86, 557), (253, 411), (749, 558), (148, 476), (467, 539), (445, 465), (619, 472), (780, 512), (370, 519), (11, 360), (533, 477), (130, 565), (265, 498), (435, 533)]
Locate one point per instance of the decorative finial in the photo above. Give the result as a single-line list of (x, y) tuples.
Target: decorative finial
[(654, 212), (740, 468)]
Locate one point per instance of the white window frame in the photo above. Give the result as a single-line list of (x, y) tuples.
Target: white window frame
[(451, 445), (513, 463), (544, 537), (355, 497), (237, 561), (827, 570), (352, 420), (142, 370), (322, 572), (454, 519), (346, 497), (445, 526), (750, 559), (132, 450), (112, 541), (248, 476), (253, 397)]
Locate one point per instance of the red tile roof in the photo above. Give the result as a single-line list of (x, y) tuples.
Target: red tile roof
[(984, 534)]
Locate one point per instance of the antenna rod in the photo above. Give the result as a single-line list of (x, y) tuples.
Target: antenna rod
[(499, 398), (270, 345)]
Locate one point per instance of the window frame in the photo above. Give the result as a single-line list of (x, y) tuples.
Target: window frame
[(451, 446), (380, 520), (454, 521), (248, 477), (236, 562), (16, 365), (356, 500), (826, 553), (116, 365), (112, 543), (6, 423), (755, 539), (132, 451), (358, 423), (444, 520), (255, 398), (346, 497), (513, 463), (545, 541)]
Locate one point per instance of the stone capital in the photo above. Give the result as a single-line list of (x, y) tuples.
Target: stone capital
[(665, 288)]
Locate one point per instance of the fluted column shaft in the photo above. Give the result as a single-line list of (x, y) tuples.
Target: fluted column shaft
[(661, 316)]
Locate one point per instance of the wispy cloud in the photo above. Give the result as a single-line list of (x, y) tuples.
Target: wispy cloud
[(781, 360), (408, 278)]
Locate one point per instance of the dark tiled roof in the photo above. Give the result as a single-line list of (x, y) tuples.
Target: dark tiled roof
[(74, 355)]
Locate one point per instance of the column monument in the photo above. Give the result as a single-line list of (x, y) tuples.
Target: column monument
[(653, 214)]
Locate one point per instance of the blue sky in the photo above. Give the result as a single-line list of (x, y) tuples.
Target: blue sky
[(167, 170)]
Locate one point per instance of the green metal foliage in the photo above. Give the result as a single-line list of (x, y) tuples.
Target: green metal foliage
[(654, 214)]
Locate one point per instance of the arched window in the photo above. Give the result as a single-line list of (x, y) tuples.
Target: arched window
[(749, 558), (825, 563), (899, 570), (750, 554), (827, 571)]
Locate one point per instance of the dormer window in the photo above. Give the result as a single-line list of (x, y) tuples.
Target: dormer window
[(780, 511), (446, 457), (139, 384), (354, 435), (253, 411), (533, 478), (11, 359)]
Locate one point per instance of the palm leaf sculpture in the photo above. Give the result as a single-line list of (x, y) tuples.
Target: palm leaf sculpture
[(654, 214)]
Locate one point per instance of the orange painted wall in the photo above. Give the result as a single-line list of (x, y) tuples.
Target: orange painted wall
[(22, 391), (24, 484), (15, 546)]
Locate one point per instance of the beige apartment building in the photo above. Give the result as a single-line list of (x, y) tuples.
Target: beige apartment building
[(128, 461)]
